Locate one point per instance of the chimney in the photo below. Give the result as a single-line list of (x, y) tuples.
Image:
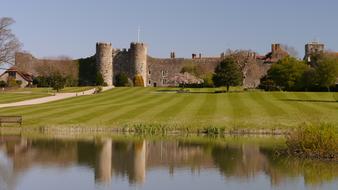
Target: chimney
[(275, 48), (172, 55)]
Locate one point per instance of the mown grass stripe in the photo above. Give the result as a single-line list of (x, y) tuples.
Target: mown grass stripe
[(99, 115), (223, 110), (141, 110), (176, 107), (207, 109), (238, 105), (133, 111), (69, 109), (188, 114), (269, 106)]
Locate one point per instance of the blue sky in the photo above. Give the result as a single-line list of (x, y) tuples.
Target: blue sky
[(50, 28)]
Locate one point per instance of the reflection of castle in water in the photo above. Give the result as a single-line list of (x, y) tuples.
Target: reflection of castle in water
[(132, 159)]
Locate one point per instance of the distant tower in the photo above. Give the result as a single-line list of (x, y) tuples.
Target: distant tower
[(313, 48), (138, 60), (104, 62)]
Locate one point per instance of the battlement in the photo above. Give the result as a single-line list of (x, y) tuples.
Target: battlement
[(103, 44), (137, 45)]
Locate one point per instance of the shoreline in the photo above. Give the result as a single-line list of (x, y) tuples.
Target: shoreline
[(151, 131)]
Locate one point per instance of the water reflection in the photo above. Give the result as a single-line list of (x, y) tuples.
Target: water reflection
[(132, 159)]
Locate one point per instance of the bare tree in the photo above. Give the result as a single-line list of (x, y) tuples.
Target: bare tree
[(9, 44), (290, 50)]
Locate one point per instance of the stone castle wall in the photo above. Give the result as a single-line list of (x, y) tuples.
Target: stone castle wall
[(162, 71), (135, 61)]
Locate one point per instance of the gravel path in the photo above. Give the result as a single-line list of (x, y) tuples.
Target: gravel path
[(57, 96)]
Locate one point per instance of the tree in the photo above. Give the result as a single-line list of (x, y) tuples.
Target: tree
[(9, 44), (286, 73), (57, 82), (308, 80), (290, 50), (227, 73), (327, 71)]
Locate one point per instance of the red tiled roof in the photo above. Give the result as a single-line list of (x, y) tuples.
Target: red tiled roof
[(24, 75)]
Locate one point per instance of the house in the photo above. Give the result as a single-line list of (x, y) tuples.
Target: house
[(13, 73)]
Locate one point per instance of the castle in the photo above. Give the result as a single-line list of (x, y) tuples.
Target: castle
[(135, 63), (111, 62)]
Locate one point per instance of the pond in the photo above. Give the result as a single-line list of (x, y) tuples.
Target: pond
[(135, 162)]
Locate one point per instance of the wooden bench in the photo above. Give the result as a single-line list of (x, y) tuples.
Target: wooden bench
[(10, 119)]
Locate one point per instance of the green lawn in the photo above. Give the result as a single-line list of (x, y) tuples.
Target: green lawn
[(22, 94), (121, 107)]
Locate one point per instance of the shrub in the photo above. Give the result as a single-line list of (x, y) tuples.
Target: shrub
[(3, 84), (208, 81), (267, 84), (12, 83), (121, 80), (314, 141), (42, 81), (98, 89), (99, 79), (138, 81), (18, 82)]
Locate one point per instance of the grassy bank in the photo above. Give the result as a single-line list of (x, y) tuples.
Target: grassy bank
[(158, 108), (314, 141)]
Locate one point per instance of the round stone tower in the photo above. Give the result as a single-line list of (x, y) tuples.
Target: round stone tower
[(104, 62), (138, 60)]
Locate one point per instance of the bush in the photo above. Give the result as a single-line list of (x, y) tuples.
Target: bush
[(18, 82), (42, 81), (98, 90), (71, 82), (99, 79), (3, 84), (208, 81), (121, 80), (12, 83), (268, 84), (314, 141), (138, 81), (49, 81)]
